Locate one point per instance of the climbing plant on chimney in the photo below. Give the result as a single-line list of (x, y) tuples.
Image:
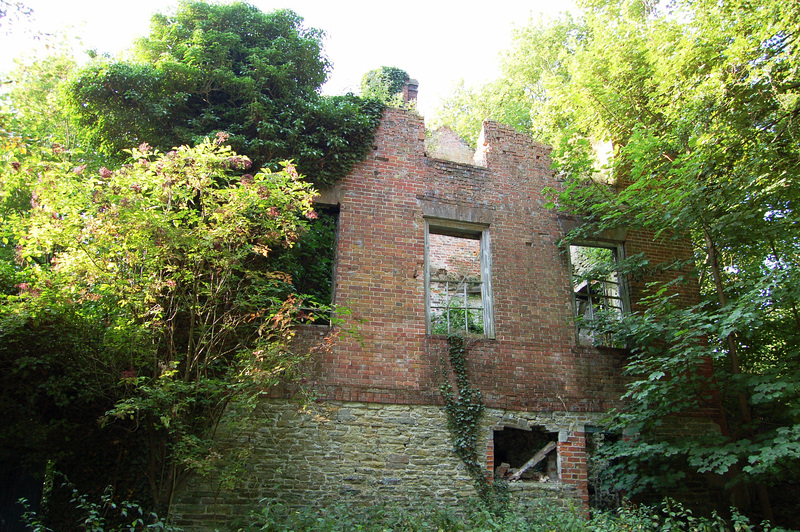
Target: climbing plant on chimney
[(464, 407)]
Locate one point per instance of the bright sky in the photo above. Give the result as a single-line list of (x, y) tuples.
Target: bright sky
[(437, 42)]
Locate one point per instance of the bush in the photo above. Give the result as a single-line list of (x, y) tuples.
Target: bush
[(107, 514), (385, 517)]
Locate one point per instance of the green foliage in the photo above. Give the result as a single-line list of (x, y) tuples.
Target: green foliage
[(33, 107), (309, 263), (229, 67), (528, 90), (344, 517), (143, 296), (384, 84), (141, 300), (699, 112), (105, 515), (458, 318), (476, 517)]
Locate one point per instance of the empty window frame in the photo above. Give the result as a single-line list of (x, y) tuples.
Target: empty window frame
[(525, 454), (311, 265), (458, 288), (597, 285)]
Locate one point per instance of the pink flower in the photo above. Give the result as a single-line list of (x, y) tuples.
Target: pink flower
[(273, 212), (312, 215), (79, 169), (222, 138), (105, 172), (27, 289)]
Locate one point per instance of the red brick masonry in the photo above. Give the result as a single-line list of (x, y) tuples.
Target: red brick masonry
[(534, 363)]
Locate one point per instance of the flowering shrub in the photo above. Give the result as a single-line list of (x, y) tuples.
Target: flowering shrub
[(166, 260)]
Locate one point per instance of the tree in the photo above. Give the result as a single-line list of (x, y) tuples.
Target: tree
[(529, 93), (700, 101), (227, 67), (34, 107), (143, 296)]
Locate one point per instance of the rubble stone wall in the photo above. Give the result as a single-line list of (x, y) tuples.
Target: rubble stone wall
[(367, 452)]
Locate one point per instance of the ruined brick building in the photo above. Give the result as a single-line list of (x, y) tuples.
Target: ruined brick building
[(430, 239)]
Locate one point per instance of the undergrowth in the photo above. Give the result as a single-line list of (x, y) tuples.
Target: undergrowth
[(476, 517)]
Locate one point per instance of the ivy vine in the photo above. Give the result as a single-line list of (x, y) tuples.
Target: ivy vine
[(464, 407)]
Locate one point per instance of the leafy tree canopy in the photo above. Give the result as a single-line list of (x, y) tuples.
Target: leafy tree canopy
[(142, 296), (153, 294), (33, 107), (532, 71), (226, 67)]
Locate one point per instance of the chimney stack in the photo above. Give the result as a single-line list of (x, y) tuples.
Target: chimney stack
[(410, 90)]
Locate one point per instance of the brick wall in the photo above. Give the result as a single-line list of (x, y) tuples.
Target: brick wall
[(390, 371), (534, 361), (454, 258)]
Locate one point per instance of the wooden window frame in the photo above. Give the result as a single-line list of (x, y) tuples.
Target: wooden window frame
[(470, 231)]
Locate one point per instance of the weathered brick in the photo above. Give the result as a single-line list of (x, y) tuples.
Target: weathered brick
[(382, 385)]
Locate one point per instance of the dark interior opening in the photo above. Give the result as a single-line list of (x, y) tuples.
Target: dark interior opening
[(514, 448)]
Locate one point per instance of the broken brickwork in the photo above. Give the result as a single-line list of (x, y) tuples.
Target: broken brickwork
[(533, 362)]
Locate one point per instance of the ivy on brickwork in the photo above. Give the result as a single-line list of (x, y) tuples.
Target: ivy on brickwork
[(464, 407)]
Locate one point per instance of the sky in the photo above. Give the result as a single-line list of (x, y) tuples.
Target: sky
[(438, 42)]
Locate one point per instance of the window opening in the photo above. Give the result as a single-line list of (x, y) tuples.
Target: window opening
[(526, 454), (458, 286), (596, 285), (310, 264)]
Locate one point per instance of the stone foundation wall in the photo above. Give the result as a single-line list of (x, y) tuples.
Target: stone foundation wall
[(367, 452)]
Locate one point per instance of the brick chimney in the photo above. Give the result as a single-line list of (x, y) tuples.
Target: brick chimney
[(410, 91)]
